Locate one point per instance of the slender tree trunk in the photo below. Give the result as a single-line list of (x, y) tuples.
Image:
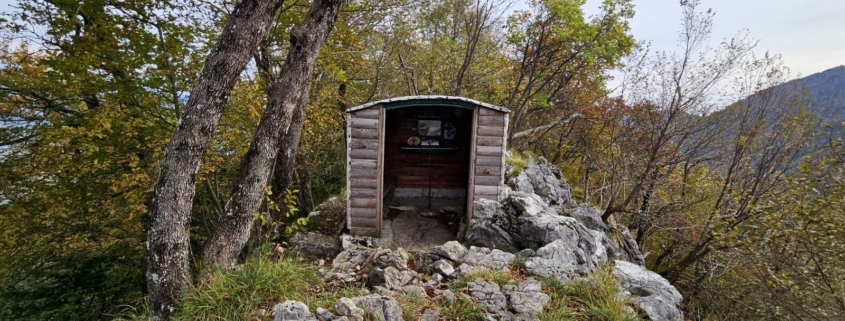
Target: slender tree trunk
[(170, 211), (286, 158), (289, 94)]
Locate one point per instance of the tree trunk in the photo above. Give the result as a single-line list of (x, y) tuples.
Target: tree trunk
[(286, 157), (168, 244), (289, 94)]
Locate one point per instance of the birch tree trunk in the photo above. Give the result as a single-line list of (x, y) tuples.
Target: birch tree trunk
[(168, 244), (289, 94)]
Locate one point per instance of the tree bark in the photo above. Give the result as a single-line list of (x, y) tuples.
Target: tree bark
[(289, 94), (168, 244)]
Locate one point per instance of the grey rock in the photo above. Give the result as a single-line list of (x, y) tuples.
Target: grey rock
[(629, 250), (484, 257), (528, 204), (346, 307), (381, 308), (563, 259), (526, 253), (526, 299), (489, 227), (544, 179), (414, 290), (292, 311), (424, 262), (397, 259), (650, 291), (430, 315), (325, 315), (346, 265), (451, 250), (445, 268), (313, 244), (448, 297), (389, 277), (489, 297), (348, 241), (589, 216)]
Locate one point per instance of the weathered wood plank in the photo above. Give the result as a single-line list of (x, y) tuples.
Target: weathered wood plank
[(486, 151), (488, 171), (364, 203), (365, 222), (371, 113), (363, 163), (488, 161), (367, 173), (473, 155), (491, 131), (365, 123), (362, 212), (364, 154), (488, 112), (364, 133), (362, 183), (363, 192), (491, 120), (486, 197), (363, 231), (490, 141), (487, 180), (380, 171), (486, 190), (364, 144)]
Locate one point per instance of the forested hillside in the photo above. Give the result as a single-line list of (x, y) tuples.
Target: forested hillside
[(143, 143), (825, 88)]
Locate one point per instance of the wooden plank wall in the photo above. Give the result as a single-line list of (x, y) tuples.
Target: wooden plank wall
[(411, 169), (364, 171), (487, 160)]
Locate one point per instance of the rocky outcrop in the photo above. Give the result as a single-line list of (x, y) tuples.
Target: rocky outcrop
[(543, 179), (651, 292)]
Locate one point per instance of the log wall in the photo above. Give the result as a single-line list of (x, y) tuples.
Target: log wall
[(365, 137), (487, 156)]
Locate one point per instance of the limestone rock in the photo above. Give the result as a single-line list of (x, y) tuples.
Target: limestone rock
[(381, 308), (489, 297), (484, 257), (292, 311), (313, 244), (448, 297), (650, 291), (528, 204), (346, 265), (526, 299), (451, 250), (489, 227), (445, 268), (325, 315), (544, 179), (345, 307), (389, 277), (424, 262), (589, 216)]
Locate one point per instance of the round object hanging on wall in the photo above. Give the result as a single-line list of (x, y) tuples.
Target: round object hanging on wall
[(414, 141)]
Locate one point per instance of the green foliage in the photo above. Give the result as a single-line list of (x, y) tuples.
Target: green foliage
[(237, 294)]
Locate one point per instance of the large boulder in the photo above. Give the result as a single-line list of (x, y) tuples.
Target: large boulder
[(589, 216), (313, 244), (490, 298), (526, 299), (489, 227), (650, 291), (543, 179)]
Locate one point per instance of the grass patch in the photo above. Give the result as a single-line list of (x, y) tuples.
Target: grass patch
[(594, 298), (518, 160), (463, 309), (260, 283)]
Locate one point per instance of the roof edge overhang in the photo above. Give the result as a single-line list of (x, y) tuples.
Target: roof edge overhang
[(428, 100)]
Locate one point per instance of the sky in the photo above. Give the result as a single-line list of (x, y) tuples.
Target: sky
[(809, 34)]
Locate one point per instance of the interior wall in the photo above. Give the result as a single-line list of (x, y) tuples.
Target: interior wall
[(410, 169)]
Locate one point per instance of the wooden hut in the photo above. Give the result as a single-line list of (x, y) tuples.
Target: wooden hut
[(442, 146)]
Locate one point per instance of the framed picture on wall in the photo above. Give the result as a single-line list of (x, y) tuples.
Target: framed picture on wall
[(428, 128)]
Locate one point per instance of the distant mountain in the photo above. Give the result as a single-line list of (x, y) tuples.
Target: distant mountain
[(827, 90)]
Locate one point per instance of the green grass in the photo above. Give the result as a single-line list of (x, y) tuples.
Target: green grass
[(260, 283), (518, 161), (595, 298)]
